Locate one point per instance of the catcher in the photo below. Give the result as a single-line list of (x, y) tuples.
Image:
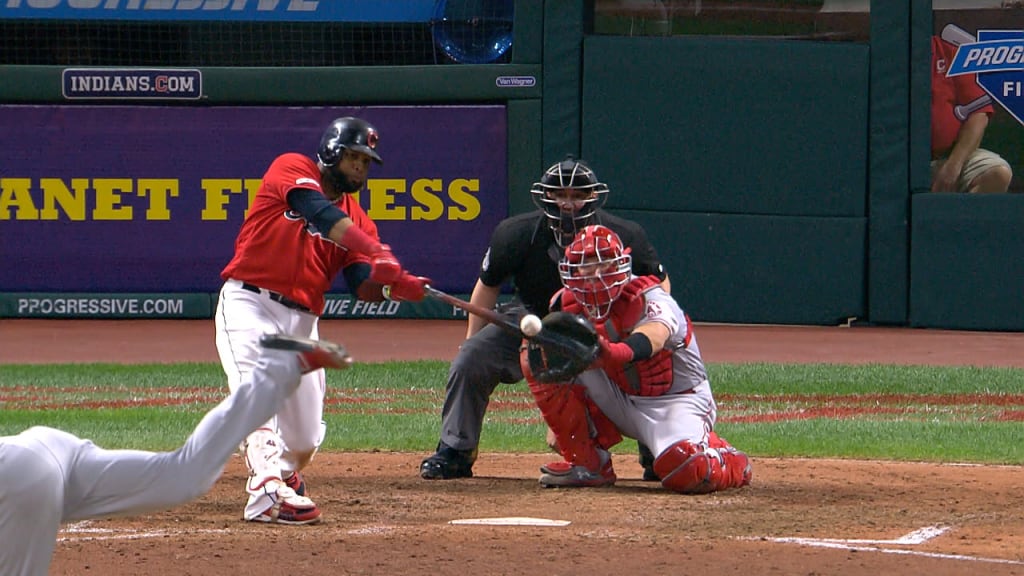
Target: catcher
[(648, 381), (524, 250)]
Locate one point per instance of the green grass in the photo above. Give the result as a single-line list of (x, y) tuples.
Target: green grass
[(947, 414)]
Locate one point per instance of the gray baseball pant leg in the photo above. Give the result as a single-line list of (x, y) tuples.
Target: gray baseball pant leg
[(122, 482), (489, 358), (31, 503)]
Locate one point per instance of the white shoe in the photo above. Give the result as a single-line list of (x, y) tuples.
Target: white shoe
[(289, 508)]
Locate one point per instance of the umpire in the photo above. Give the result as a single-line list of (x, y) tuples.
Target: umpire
[(524, 250)]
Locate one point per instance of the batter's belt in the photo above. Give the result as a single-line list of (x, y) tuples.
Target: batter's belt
[(280, 299)]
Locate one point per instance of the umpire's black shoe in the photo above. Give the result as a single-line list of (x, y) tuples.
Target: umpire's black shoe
[(647, 461), (448, 463)]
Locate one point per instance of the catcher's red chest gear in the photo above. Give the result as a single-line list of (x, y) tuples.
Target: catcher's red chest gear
[(649, 376)]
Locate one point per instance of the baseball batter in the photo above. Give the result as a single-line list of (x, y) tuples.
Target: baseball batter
[(649, 382), (524, 250), (304, 226), (48, 476)]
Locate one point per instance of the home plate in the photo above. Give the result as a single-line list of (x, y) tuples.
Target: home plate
[(510, 521)]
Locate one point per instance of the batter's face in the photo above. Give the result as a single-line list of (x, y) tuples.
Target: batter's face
[(355, 164), (350, 173)]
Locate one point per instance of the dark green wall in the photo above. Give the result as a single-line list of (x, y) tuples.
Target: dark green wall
[(967, 261), (762, 269), (787, 182), (746, 159), (728, 125), (966, 252)]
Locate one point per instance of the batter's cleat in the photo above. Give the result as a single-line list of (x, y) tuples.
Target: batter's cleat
[(448, 463), (313, 354), (565, 475), (646, 459), (297, 483), (290, 508)]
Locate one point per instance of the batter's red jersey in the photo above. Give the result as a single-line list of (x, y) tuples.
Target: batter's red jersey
[(278, 250), (947, 93)]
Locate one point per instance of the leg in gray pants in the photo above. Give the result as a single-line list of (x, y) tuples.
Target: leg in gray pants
[(489, 358)]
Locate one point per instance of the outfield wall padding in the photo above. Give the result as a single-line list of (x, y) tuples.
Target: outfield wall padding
[(762, 269), (888, 187), (706, 124), (967, 262)]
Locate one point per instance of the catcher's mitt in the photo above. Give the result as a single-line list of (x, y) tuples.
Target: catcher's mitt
[(566, 345)]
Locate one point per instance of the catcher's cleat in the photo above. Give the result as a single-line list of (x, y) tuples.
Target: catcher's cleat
[(448, 463), (289, 508), (650, 475), (646, 459), (297, 483), (313, 354), (565, 475)]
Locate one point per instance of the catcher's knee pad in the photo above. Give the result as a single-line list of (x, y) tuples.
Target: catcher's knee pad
[(689, 468)]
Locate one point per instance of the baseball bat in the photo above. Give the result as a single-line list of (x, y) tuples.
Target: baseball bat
[(544, 337), (485, 313), (962, 111), (957, 36)]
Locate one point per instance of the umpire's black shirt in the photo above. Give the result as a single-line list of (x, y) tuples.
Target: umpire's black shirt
[(523, 249)]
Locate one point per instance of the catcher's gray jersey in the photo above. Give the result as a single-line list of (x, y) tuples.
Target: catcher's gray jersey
[(686, 412), (688, 368)]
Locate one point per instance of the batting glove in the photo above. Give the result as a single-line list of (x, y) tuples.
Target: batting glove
[(407, 288), (384, 267)]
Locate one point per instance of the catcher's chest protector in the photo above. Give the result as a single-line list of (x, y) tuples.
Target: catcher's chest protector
[(650, 376)]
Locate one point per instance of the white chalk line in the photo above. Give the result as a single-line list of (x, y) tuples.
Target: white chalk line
[(914, 538), (84, 532), (98, 534)]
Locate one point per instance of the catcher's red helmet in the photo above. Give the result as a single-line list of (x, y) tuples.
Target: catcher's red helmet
[(595, 268)]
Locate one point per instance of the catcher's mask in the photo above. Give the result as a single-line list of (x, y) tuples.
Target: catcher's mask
[(342, 134), (569, 193), (595, 268)]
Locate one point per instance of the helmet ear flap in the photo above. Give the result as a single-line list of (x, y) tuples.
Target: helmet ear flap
[(347, 133)]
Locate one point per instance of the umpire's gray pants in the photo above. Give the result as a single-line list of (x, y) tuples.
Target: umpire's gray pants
[(489, 358)]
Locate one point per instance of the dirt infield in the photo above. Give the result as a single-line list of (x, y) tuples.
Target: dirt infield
[(798, 517)]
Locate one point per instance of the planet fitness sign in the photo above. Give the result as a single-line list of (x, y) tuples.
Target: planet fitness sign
[(149, 199)]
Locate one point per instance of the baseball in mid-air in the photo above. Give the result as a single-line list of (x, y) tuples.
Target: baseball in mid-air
[(530, 325)]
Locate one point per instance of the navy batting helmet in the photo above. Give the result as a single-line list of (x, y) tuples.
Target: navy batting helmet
[(347, 133)]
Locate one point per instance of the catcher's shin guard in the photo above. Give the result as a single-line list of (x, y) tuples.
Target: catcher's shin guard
[(567, 415), (693, 469)]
